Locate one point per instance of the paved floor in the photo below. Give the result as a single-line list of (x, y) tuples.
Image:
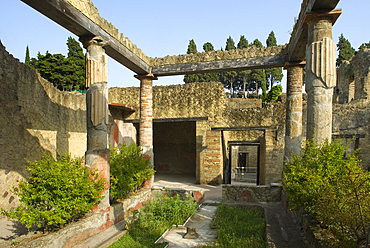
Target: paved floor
[(201, 221)]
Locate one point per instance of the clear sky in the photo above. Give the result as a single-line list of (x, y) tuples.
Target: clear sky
[(162, 28)]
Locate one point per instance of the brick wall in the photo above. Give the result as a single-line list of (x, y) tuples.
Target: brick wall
[(213, 162)]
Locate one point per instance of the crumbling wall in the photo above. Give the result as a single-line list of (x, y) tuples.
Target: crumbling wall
[(35, 117), (353, 78)]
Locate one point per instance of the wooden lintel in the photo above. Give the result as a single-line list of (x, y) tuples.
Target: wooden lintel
[(221, 65), (257, 128), (171, 119), (297, 44), (73, 20)]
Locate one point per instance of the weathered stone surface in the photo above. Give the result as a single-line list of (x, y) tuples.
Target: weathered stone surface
[(35, 117), (250, 194)]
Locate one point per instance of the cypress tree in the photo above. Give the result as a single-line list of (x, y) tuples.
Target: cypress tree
[(273, 75), (243, 43), (230, 44), (74, 70), (346, 51), (192, 48), (243, 75), (27, 59), (208, 77)]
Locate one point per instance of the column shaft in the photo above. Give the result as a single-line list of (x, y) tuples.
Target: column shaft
[(320, 78), (97, 154), (293, 134), (146, 117)]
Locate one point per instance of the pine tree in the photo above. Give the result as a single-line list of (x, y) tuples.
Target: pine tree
[(192, 49), (228, 78), (230, 44), (346, 51), (273, 75), (64, 73), (257, 43), (271, 40), (27, 59), (243, 43), (364, 45), (74, 70), (208, 77), (243, 75)]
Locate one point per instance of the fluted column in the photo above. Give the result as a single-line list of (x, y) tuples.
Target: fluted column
[(146, 116), (97, 154), (293, 123), (320, 76)]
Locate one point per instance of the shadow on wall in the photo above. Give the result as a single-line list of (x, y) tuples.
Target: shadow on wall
[(35, 117)]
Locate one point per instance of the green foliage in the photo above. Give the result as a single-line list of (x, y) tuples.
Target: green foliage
[(243, 42), (208, 47), (27, 59), (230, 44), (129, 168), (271, 40), (364, 45), (346, 51), (191, 78), (257, 43), (64, 73), (154, 219), (239, 227), (333, 188), (274, 93), (56, 192), (264, 96)]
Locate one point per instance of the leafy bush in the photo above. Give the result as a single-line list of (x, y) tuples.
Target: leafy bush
[(129, 168), (274, 93), (56, 192), (333, 188), (154, 219)]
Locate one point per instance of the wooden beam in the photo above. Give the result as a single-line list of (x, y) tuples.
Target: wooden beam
[(185, 119), (297, 45), (221, 65), (73, 20), (258, 128)]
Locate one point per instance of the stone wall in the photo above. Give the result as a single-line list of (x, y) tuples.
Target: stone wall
[(35, 117), (353, 78), (244, 103)]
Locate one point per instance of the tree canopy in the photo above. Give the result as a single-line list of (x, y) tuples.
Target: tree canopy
[(65, 73), (346, 51)]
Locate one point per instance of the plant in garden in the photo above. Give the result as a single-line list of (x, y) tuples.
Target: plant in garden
[(129, 168), (56, 192), (154, 219), (239, 227), (333, 188)]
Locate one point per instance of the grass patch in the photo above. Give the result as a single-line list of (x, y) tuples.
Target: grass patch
[(154, 219), (239, 227)]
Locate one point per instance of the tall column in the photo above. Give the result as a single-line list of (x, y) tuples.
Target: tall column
[(146, 116), (97, 154), (320, 75), (293, 123)]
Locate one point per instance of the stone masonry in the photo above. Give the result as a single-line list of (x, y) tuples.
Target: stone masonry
[(293, 135), (320, 76)]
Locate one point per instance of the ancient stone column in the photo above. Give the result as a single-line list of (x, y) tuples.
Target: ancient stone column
[(146, 116), (293, 133), (320, 76), (97, 154)]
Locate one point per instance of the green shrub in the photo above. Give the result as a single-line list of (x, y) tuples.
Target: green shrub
[(154, 219), (274, 93), (333, 188), (129, 168), (56, 192)]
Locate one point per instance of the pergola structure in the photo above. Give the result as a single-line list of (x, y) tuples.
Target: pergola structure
[(310, 46)]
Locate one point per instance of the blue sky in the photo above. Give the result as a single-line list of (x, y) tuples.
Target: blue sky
[(163, 28)]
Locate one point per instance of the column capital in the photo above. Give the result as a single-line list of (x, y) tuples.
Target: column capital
[(314, 16), (294, 64), (149, 76), (92, 40)]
